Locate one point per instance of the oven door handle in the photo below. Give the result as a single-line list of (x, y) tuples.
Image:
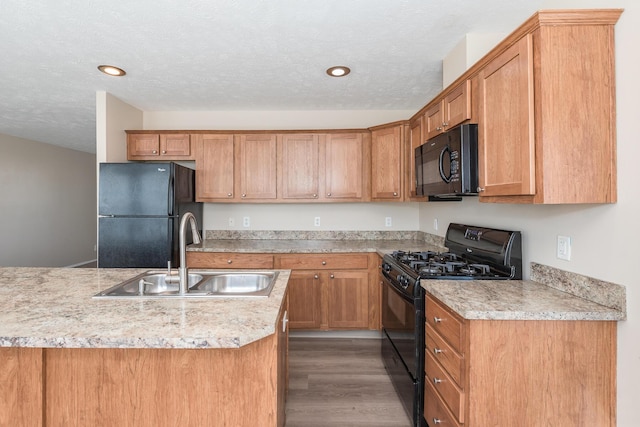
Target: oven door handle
[(397, 290)]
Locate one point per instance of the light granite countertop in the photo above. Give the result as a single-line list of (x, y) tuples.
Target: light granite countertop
[(53, 307), (515, 300)]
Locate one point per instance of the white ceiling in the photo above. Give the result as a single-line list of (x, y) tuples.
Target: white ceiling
[(226, 55)]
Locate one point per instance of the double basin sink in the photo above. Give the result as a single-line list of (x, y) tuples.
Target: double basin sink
[(202, 284)]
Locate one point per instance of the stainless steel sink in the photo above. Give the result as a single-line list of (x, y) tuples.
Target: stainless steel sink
[(202, 284)]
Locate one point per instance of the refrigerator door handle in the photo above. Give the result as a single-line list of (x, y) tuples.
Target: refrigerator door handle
[(171, 195), (106, 216)]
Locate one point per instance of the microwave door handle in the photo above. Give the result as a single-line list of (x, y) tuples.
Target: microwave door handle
[(444, 177)]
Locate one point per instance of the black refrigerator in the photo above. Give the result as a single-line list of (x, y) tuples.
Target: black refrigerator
[(139, 211)]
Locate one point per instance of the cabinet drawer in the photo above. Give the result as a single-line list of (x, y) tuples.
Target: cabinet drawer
[(450, 360), (435, 411), (228, 260), (444, 385), (448, 325), (324, 262)]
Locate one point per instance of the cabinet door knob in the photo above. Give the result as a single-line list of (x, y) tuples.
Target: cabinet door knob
[(395, 194), (331, 276), (437, 380), (315, 196), (324, 262), (164, 151), (315, 276), (244, 195), (480, 189), (328, 194), (437, 421), (437, 320), (229, 261), (285, 320), (437, 351), (445, 124), (155, 151)]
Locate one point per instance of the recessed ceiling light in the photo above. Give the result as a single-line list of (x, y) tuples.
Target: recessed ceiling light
[(111, 70), (339, 71)]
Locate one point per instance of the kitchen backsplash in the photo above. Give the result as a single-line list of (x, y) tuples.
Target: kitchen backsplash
[(604, 293), (430, 239)]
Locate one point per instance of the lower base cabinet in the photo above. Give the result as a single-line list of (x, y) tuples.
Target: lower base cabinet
[(518, 372), (111, 387), (332, 291)]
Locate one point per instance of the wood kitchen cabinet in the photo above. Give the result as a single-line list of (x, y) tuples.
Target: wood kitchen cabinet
[(518, 372), (215, 166), (332, 291), (546, 122), (229, 260), (347, 171), (159, 146), (300, 166), (21, 387), (388, 162), (450, 109), (256, 166)]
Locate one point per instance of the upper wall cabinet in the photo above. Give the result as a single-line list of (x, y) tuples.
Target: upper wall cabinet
[(546, 102), (388, 162), (449, 110), (159, 146), (269, 167)]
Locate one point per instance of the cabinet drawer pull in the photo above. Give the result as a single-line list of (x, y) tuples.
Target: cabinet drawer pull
[(437, 380), (437, 421), (315, 276), (229, 261), (331, 276), (437, 351), (324, 262), (437, 320)]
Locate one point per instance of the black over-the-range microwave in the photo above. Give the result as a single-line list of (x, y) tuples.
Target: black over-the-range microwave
[(447, 165)]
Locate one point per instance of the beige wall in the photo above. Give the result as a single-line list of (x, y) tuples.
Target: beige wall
[(47, 200)]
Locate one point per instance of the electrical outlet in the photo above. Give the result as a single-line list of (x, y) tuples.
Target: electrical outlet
[(316, 221), (387, 221), (246, 221), (564, 248), (232, 222), (435, 224)]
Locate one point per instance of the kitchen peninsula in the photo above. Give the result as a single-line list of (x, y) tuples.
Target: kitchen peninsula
[(68, 359)]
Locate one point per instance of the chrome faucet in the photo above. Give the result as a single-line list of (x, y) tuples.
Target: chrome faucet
[(183, 271)]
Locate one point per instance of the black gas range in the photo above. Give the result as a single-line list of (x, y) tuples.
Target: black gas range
[(474, 253)]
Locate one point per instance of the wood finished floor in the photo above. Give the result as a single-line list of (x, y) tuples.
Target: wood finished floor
[(340, 383)]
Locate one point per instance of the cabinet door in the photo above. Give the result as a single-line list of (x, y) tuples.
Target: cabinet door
[(256, 168), (433, 120), (386, 163), (283, 363), (348, 299), (506, 144), (304, 300), (214, 167), (344, 166), (299, 166), (457, 105), (175, 145), (143, 145)]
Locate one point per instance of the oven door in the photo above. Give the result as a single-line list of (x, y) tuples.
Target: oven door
[(401, 348)]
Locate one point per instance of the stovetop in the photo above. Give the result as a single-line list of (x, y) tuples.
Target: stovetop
[(445, 265), (475, 253)]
